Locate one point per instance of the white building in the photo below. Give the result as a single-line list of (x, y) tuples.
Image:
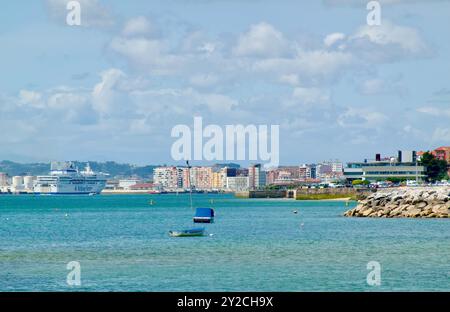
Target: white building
[(168, 177), (126, 184), (337, 167), (239, 183)]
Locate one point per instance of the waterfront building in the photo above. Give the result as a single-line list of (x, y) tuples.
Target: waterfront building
[(403, 167), (442, 153), (238, 183), (256, 177), (311, 171), (324, 170), (271, 176), (287, 175), (112, 185), (242, 172), (185, 178), (283, 175), (201, 178), (219, 179), (407, 157), (126, 184), (303, 172), (337, 167), (169, 177)]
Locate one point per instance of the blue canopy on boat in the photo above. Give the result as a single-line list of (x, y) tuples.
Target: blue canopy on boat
[(204, 213)]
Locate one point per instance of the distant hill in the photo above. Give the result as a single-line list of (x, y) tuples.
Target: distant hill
[(112, 168)]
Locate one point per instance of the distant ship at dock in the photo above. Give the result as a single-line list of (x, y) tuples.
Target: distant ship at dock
[(65, 179)]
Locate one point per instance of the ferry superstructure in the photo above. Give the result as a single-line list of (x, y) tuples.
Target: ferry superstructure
[(65, 179)]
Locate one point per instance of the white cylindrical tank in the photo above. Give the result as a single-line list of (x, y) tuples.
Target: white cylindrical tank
[(17, 181), (28, 182), (3, 179), (17, 184)]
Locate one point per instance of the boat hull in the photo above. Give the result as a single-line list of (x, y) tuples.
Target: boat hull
[(187, 233), (203, 220)]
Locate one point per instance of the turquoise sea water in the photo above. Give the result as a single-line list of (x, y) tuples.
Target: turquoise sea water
[(121, 243)]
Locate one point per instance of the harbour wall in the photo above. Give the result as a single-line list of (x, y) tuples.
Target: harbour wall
[(261, 194), (308, 193)]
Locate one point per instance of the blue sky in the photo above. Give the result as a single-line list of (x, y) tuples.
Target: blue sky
[(112, 88)]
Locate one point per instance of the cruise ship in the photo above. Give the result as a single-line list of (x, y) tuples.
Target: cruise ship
[(65, 179)]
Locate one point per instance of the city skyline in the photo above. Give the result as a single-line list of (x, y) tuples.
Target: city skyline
[(113, 88)]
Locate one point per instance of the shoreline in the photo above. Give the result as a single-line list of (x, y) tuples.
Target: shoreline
[(344, 199)]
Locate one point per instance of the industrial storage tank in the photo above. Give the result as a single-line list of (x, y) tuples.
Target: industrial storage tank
[(3, 179), (28, 182), (17, 182)]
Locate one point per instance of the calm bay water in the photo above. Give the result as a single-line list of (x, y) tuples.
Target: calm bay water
[(122, 244)]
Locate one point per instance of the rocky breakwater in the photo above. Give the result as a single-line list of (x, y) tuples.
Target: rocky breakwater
[(414, 202)]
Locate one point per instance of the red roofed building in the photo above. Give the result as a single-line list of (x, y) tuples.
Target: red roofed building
[(442, 153)]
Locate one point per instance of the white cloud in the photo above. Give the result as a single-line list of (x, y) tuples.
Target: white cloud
[(218, 103), (176, 102), (333, 38), (150, 55), (31, 98), (263, 52), (291, 79), (137, 26), (108, 97), (316, 66), (389, 41), (311, 96), (434, 111), (362, 3), (204, 80), (361, 118), (262, 40), (377, 86), (441, 135), (197, 42)]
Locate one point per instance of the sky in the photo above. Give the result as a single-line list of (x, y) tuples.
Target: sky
[(114, 87)]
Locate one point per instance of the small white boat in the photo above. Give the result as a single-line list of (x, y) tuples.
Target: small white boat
[(188, 233)]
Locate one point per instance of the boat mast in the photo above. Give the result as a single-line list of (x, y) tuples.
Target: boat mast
[(190, 185)]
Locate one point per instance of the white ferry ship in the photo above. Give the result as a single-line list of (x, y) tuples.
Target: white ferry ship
[(65, 179)]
